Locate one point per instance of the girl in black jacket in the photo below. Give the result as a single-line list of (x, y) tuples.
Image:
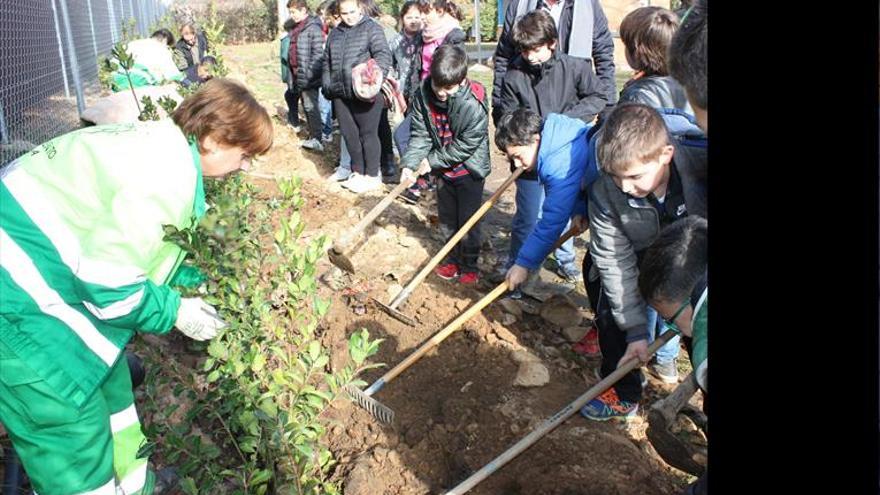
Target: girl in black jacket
[(355, 40)]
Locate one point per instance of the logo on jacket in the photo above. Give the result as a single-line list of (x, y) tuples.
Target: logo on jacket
[(681, 210)]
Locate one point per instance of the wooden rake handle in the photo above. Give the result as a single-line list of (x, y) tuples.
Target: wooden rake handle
[(340, 245), (403, 294), (552, 422), (439, 337)]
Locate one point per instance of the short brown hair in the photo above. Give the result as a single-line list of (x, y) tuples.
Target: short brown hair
[(229, 113), (632, 132), (533, 30), (646, 33)]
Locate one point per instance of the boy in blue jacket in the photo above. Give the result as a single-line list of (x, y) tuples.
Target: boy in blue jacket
[(556, 149), (545, 81)]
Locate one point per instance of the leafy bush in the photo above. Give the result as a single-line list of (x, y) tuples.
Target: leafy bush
[(260, 394)]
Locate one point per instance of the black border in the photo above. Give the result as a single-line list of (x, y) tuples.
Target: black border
[(794, 237)]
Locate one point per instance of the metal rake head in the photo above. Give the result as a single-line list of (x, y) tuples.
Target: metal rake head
[(395, 313), (378, 410)]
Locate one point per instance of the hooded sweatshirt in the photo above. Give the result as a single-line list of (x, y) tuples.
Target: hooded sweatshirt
[(562, 156)]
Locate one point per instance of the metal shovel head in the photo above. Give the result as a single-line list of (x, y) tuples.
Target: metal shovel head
[(394, 313), (340, 260), (378, 410)]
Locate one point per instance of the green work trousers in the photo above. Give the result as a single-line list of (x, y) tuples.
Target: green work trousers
[(66, 451)]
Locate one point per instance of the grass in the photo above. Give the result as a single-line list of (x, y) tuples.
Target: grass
[(260, 68)]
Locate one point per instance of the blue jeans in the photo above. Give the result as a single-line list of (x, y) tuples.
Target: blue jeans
[(656, 327), (326, 110), (529, 200)]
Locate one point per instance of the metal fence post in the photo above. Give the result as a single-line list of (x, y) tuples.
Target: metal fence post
[(60, 51), (132, 16), (92, 28), (111, 13), (477, 30), (71, 53)]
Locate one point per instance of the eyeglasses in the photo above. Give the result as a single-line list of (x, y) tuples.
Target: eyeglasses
[(670, 321)]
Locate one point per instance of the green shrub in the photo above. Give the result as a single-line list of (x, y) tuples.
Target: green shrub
[(253, 425)]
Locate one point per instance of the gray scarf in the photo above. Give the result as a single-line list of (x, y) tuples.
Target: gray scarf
[(581, 45)]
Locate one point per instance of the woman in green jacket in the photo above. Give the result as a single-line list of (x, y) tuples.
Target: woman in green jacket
[(84, 264)]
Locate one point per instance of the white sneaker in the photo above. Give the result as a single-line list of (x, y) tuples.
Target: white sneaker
[(366, 183), (340, 174), (313, 144), (295, 128), (353, 181)]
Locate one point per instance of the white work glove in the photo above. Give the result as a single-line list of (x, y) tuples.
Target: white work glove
[(197, 319)]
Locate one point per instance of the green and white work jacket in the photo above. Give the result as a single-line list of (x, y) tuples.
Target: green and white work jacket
[(153, 65), (83, 262)]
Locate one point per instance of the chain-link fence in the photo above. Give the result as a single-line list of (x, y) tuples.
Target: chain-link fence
[(49, 52)]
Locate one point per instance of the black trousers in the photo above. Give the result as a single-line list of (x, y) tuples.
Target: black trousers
[(456, 203), (291, 97), (310, 106), (612, 340), (387, 157), (359, 123)]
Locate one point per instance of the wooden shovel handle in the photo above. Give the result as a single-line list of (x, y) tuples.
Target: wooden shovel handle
[(340, 245), (442, 334), (454, 240)]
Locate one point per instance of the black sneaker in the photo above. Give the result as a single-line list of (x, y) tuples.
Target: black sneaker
[(411, 196)]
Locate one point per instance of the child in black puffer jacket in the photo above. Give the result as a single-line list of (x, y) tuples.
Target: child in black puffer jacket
[(355, 40)]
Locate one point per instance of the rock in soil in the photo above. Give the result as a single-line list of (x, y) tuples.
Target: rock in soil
[(574, 334), (561, 311), (531, 374), (508, 319), (529, 307), (512, 307), (407, 241)]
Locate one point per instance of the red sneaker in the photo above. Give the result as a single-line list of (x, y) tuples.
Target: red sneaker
[(589, 345), (469, 278), (448, 271)]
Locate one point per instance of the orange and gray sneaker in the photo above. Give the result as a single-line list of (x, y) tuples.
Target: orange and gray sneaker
[(608, 406), (589, 344)]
